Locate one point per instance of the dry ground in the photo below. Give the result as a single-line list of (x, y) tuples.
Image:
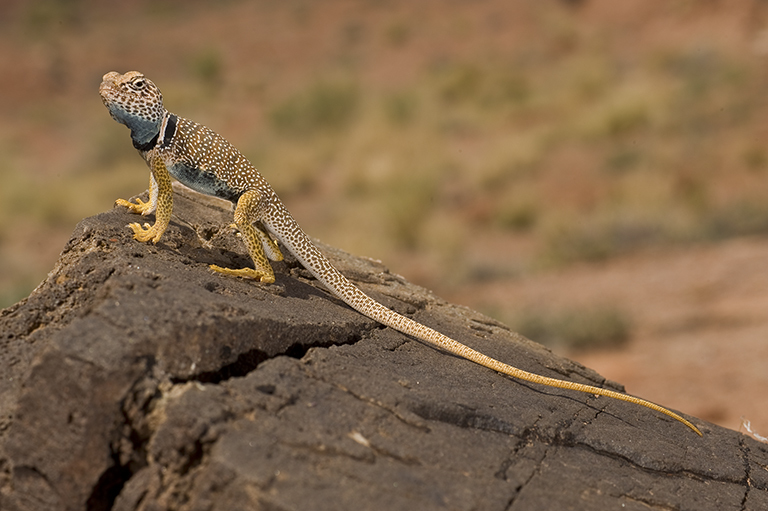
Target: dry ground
[(700, 328)]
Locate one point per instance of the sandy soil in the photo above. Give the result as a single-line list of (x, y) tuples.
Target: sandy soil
[(700, 334)]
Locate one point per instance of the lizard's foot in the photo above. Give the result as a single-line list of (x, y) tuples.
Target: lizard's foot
[(146, 232), (141, 207), (250, 273)]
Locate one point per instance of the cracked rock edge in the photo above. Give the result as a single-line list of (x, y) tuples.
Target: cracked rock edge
[(133, 378)]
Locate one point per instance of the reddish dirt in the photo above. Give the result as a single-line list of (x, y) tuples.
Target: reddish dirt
[(700, 330)]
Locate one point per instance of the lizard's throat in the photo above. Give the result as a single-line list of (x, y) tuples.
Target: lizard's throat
[(162, 137), (142, 144)]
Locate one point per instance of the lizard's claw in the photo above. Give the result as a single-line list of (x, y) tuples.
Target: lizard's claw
[(141, 207), (146, 232)]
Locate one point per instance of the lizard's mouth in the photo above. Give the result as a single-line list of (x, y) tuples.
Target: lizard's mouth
[(107, 89), (108, 92), (107, 82), (104, 92)]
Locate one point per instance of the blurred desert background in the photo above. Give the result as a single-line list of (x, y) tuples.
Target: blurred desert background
[(593, 173)]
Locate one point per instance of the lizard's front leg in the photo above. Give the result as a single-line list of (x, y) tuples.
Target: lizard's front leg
[(256, 241), (141, 207), (163, 200)]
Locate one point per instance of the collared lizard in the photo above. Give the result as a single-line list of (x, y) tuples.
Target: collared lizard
[(204, 161)]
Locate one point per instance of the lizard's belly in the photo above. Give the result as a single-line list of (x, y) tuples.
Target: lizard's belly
[(204, 182)]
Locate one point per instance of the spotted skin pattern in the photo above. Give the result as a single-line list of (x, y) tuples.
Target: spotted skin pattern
[(204, 161)]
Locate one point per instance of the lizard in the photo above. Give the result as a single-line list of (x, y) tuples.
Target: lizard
[(201, 159)]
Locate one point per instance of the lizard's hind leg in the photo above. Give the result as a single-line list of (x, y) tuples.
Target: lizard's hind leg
[(269, 244), (259, 244)]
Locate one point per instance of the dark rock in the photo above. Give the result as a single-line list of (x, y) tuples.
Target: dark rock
[(135, 378)]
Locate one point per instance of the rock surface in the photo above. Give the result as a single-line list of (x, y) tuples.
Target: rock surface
[(135, 378)]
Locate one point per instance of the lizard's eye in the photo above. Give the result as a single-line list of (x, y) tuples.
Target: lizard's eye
[(139, 84)]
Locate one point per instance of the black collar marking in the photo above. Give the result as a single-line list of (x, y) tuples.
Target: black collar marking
[(146, 146), (170, 131)]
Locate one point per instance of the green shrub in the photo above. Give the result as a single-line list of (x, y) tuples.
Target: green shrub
[(321, 107), (585, 329)]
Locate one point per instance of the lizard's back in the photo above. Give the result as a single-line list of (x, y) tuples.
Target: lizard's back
[(206, 162)]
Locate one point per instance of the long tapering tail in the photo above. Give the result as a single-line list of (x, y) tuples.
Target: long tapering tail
[(313, 260), (415, 329)]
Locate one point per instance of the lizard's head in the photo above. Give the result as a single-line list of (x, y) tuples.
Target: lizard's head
[(135, 101)]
